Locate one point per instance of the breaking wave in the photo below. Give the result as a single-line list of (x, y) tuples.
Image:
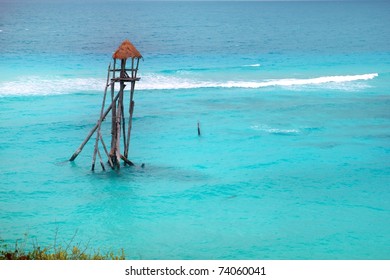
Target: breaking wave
[(41, 86), (38, 86), (161, 82), (276, 131)]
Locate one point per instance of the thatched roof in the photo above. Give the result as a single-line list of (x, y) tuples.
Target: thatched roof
[(126, 50)]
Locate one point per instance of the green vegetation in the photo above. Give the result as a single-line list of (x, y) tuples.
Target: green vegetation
[(68, 252)]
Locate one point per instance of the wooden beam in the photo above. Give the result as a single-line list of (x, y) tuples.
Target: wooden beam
[(127, 161), (116, 151), (100, 119), (101, 160), (106, 151), (113, 119), (124, 128), (78, 151), (130, 124)]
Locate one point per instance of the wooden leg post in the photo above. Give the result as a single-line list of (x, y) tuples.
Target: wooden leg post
[(101, 119), (79, 149), (106, 151), (124, 129), (130, 124)]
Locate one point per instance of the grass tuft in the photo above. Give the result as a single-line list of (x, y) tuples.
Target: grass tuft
[(57, 252)]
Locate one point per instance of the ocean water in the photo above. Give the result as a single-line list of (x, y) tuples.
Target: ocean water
[(293, 101)]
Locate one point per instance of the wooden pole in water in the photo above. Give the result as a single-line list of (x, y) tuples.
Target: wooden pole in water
[(124, 128), (130, 124), (100, 119), (118, 126), (131, 105), (119, 114), (105, 150), (79, 149), (127, 161), (113, 119), (101, 160)]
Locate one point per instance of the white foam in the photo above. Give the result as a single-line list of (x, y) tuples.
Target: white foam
[(295, 82), (253, 65), (283, 131), (35, 85), (162, 82)]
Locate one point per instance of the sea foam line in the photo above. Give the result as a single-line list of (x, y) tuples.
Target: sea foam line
[(169, 82), (252, 65), (295, 82), (277, 131), (57, 85), (35, 85)]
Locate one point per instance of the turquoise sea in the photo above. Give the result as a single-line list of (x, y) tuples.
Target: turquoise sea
[(293, 101)]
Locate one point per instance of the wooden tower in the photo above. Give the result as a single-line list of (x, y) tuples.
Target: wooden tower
[(119, 74)]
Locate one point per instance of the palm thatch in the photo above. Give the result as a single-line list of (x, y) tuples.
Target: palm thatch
[(126, 50)]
